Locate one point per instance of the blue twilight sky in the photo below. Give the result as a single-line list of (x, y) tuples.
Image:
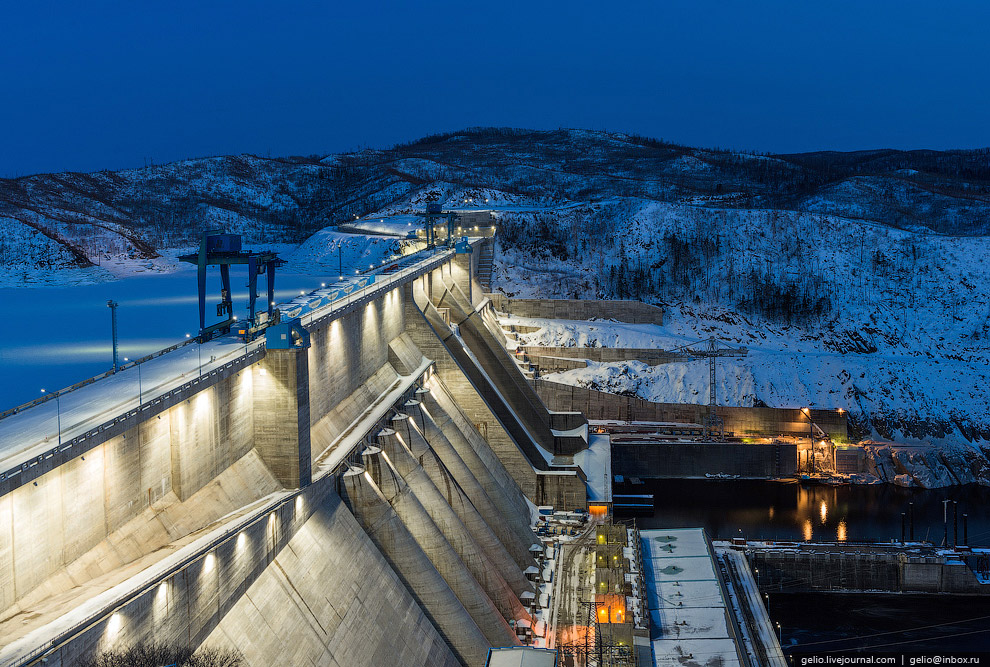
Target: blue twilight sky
[(94, 85)]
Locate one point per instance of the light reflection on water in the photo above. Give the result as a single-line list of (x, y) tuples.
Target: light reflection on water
[(791, 511), (61, 336)]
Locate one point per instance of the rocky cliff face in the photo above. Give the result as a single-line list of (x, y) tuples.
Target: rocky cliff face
[(928, 466)]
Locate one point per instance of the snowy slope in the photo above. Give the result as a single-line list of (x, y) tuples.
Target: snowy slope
[(857, 279)]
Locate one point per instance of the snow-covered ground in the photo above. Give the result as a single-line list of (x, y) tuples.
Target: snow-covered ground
[(781, 370)]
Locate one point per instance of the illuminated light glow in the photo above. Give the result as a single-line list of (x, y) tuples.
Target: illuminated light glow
[(113, 625), (162, 591), (840, 532), (208, 563), (241, 540), (263, 371), (807, 530), (823, 512), (299, 503)]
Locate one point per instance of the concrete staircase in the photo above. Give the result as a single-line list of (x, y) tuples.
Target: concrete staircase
[(486, 260)]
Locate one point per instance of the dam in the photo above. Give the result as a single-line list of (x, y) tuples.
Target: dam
[(361, 493)]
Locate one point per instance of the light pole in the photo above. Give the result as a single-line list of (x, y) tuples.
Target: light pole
[(811, 436), (199, 352), (112, 305), (58, 414)]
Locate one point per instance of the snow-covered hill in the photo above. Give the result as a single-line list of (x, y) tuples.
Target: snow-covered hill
[(857, 279)]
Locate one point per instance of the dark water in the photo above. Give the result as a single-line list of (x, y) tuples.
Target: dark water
[(836, 622), (815, 623), (792, 511)]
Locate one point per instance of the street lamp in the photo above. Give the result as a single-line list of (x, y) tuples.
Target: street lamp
[(811, 436), (112, 305), (58, 414)]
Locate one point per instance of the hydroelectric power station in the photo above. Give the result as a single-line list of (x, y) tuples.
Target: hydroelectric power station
[(359, 488)]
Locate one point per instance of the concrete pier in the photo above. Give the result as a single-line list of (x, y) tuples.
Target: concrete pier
[(438, 549), (478, 562), (425, 582), (508, 540)]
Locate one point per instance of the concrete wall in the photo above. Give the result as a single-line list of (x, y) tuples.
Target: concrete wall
[(164, 461), (300, 585), (345, 352), (697, 459), (329, 598), (635, 312), (738, 420), (566, 358), (866, 571), (468, 399)]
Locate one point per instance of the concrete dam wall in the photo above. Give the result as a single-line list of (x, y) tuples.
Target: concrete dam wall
[(362, 501), (696, 459), (740, 421)]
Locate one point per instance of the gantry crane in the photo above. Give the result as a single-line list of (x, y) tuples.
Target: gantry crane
[(714, 425), (434, 213)]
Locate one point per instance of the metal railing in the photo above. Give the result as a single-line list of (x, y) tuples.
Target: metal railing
[(22, 470), (55, 394), (76, 445)]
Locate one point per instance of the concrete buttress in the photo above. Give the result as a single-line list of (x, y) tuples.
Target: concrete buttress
[(458, 534), (514, 540), (388, 531), (438, 549), (281, 416), (480, 459), (465, 502)]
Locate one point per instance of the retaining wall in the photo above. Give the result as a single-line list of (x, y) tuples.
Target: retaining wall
[(738, 420), (863, 571), (634, 312), (696, 459)]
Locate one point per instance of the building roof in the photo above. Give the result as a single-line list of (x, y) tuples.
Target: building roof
[(522, 656)]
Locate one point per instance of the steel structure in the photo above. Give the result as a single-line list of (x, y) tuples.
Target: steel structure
[(434, 213), (714, 425), (217, 248)]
